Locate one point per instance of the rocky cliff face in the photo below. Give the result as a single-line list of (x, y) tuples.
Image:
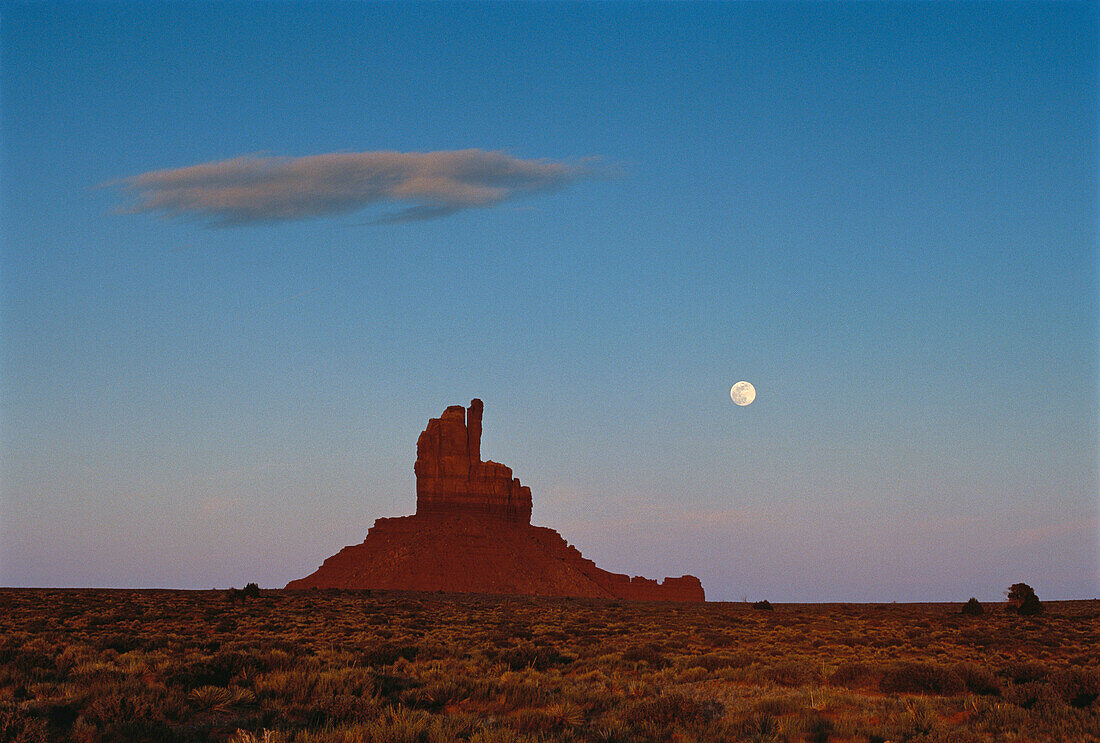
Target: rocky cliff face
[(472, 533), (451, 478)]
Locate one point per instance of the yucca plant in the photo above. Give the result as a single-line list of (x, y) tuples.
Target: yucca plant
[(219, 698), (566, 715), (211, 698)]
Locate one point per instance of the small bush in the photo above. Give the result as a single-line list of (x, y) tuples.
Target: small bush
[(788, 673), (433, 696), (672, 709), (978, 679), (972, 608), (651, 654), (121, 717), (1077, 687), (855, 674), (1025, 672), (216, 670), (250, 591), (764, 605), (1031, 694), (1022, 600), (387, 653), (924, 678)]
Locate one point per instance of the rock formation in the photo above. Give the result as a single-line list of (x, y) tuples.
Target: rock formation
[(472, 533), (451, 478)]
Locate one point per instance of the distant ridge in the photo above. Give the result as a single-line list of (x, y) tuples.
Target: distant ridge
[(472, 533)]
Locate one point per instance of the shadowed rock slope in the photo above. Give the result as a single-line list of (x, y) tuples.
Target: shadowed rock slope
[(472, 533)]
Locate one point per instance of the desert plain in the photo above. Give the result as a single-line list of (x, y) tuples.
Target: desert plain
[(335, 665)]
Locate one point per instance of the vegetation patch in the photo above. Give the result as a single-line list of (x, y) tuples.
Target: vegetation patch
[(98, 666)]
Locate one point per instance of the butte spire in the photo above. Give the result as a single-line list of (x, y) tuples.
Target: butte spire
[(472, 533)]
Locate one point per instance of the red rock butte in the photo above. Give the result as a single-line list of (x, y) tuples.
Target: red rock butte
[(472, 533)]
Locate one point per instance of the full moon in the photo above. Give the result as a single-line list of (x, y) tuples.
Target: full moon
[(742, 393)]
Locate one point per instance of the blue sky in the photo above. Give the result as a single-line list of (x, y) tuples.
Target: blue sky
[(882, 215)]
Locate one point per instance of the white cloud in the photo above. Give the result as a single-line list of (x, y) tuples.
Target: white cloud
[(252, 189)]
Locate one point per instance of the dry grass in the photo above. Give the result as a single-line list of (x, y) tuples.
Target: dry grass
[(97, 665)]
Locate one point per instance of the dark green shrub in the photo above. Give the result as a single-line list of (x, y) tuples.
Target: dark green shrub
[(923, 678), (1022, 600), (1025, 672), (972, 608), (789, 673), (764, 605), (650, 653), (855, 674), (1031, 694), (387, 685), (218, 669), (671, 709), (124, 717), (383, 654), (978, 679), (251, 591), (1077, 687), (433, 696)]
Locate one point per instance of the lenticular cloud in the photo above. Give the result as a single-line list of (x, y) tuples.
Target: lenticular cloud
[(252, 189)]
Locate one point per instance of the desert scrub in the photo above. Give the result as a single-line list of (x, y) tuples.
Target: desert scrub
[(1022, 600), (651, 654), (978, 679), (528, 655), (101, 666), (920, 678), (972, 608)]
